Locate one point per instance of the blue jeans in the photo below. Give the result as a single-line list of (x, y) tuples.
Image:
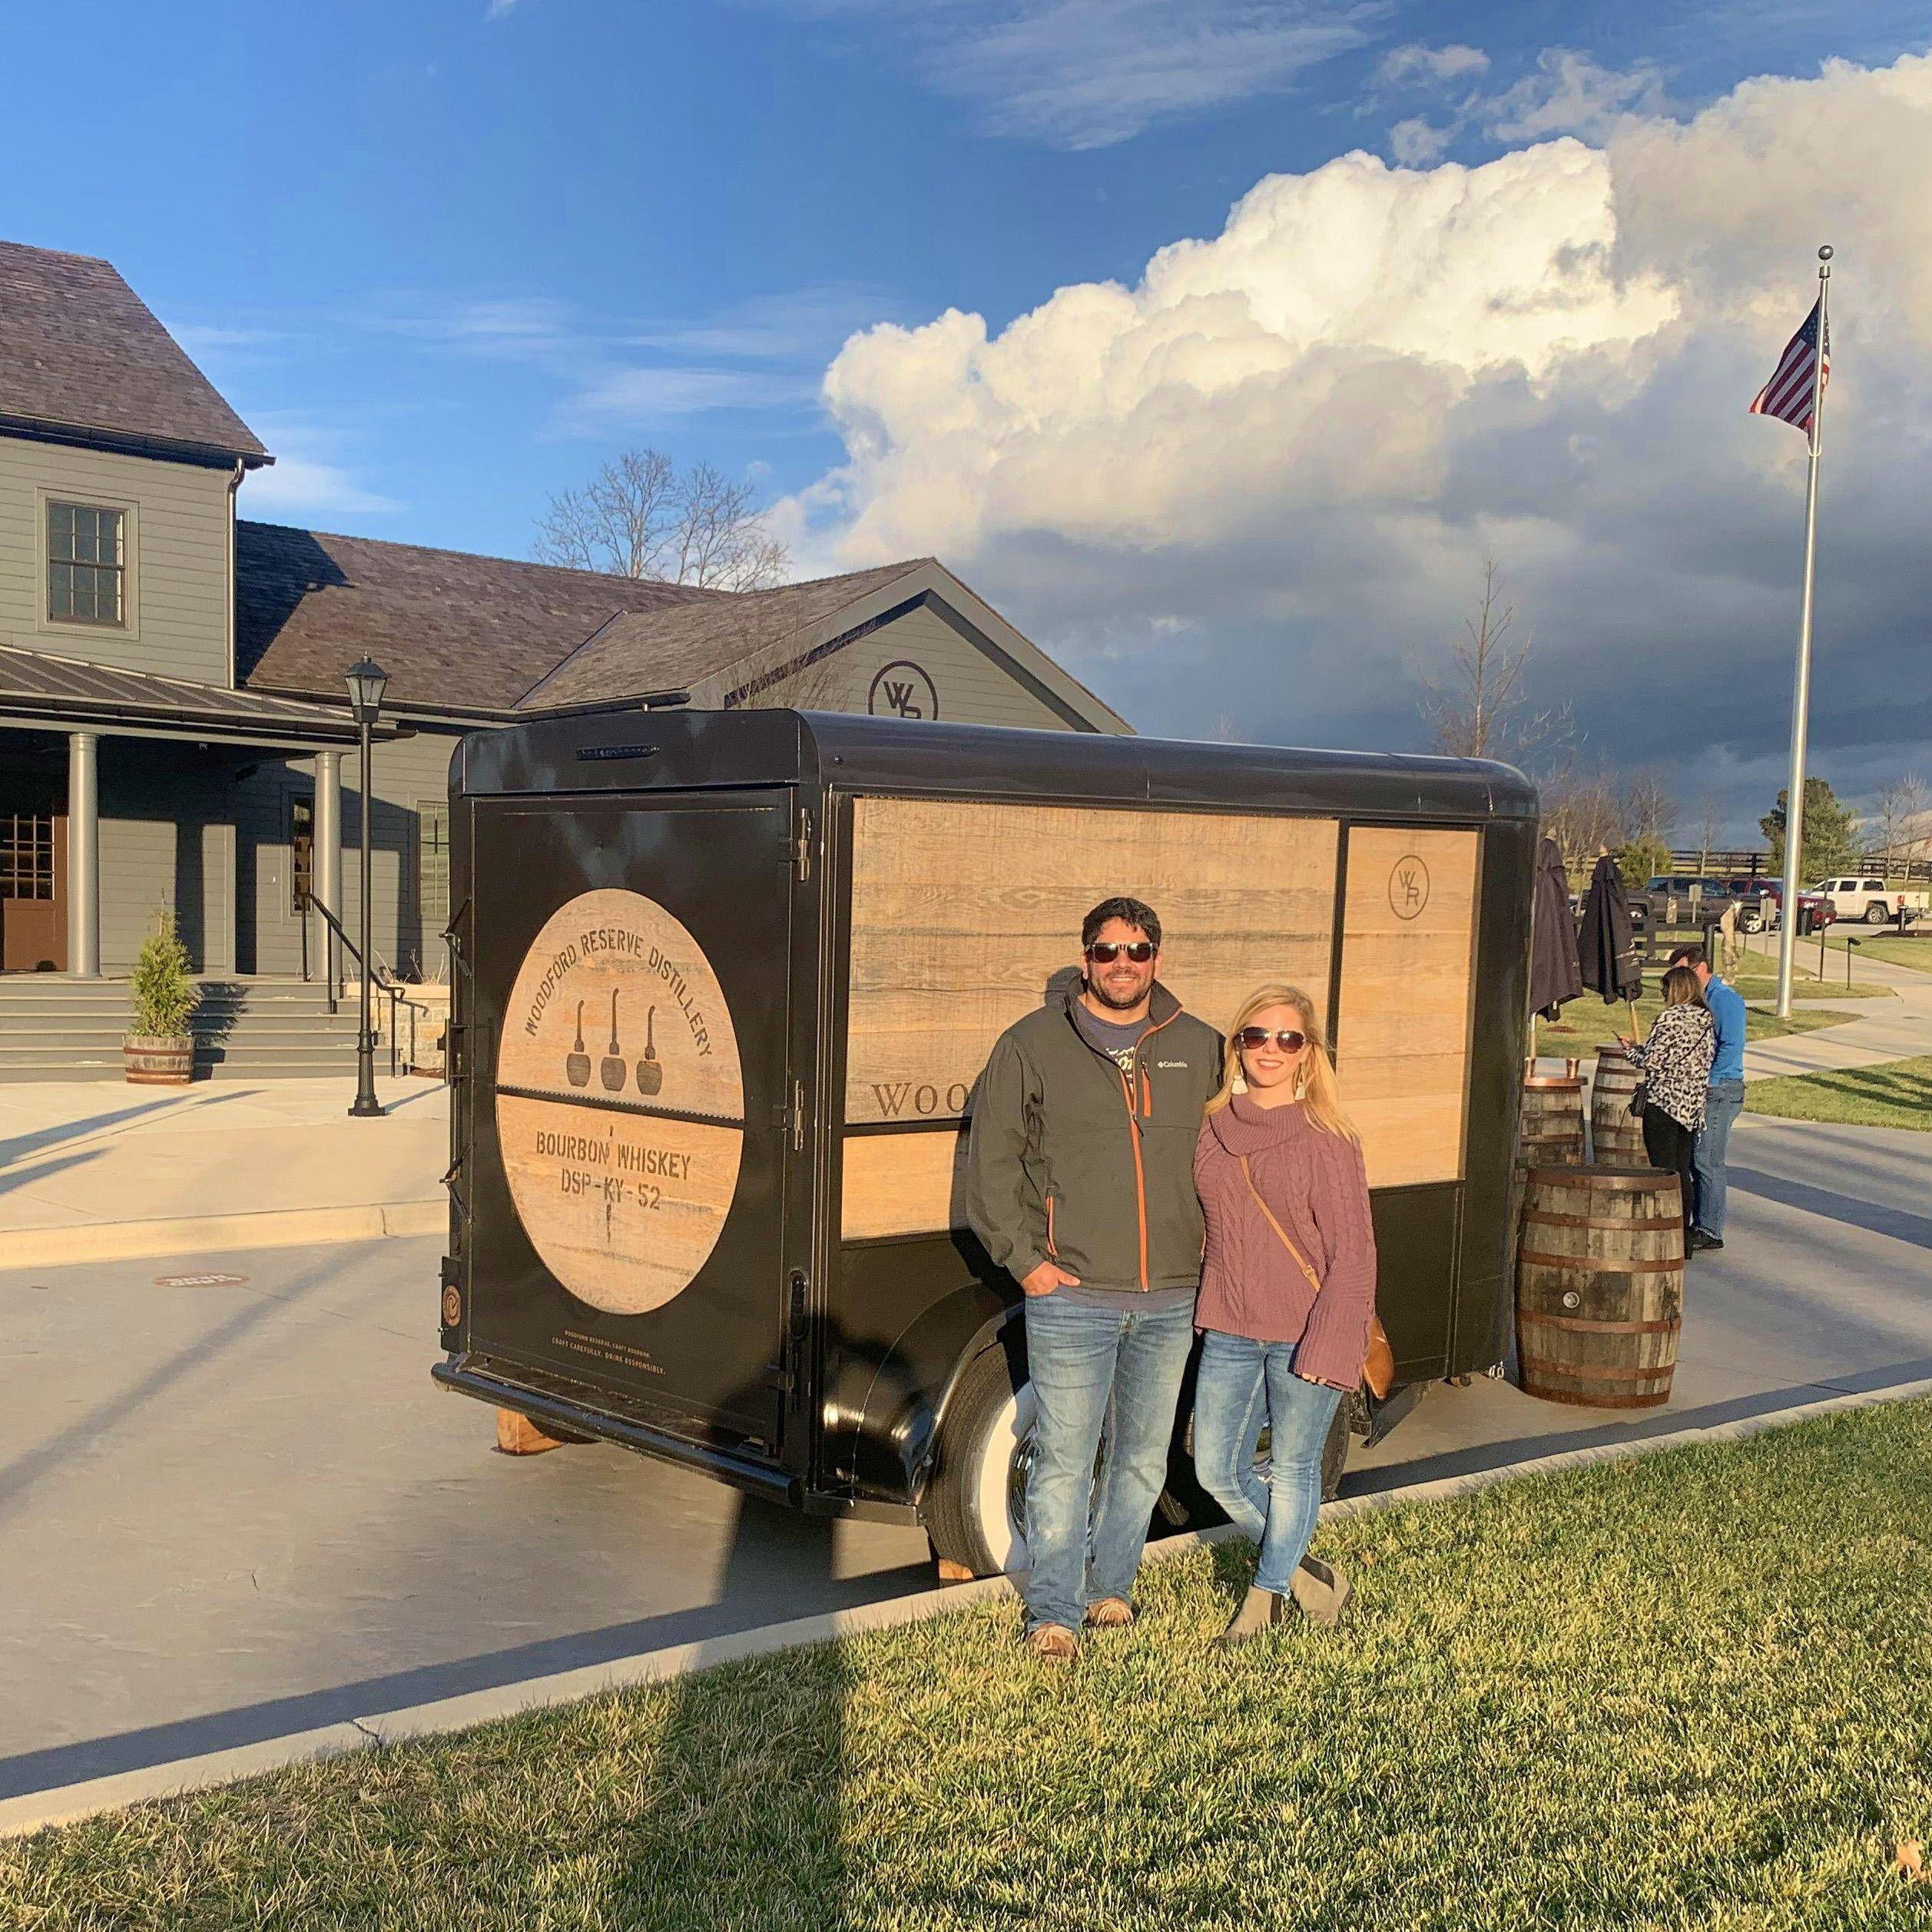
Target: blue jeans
[(1723, 1102), (1095, 1368), (1242, 1384)]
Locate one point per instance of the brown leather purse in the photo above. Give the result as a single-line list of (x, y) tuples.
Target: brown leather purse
[(1378, 1367)]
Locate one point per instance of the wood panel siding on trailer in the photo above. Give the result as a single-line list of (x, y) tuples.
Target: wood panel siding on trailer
[(963, 912), (1402, 1035)]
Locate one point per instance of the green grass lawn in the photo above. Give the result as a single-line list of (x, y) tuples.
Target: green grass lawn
[(1686, 1691), (1897, 1094), (1587, 1023), (1900, 952)]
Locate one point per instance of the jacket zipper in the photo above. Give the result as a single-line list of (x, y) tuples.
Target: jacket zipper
[(1050, 1248), (1134, 1135)]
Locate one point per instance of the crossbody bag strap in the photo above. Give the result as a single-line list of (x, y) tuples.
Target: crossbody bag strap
[(1247, 1175)]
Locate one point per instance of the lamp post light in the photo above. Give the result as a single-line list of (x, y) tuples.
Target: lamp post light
[(366, 683)]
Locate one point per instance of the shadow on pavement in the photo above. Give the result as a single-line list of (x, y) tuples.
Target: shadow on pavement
[(1875, 1220)]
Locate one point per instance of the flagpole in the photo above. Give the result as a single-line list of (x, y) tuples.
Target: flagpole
[(1801, 694)]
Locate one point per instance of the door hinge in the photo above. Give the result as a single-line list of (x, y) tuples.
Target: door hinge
[(801, 847), (786, 1371), (798, 1116)]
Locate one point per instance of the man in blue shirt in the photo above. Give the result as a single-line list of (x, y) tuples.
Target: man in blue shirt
[(1723, 1100)]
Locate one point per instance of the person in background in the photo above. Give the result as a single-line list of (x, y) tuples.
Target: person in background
[(1675, 1063), (1080, 1183), (1287, 1294), (1723, 1100)]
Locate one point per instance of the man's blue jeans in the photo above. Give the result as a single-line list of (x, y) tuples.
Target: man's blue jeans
[(1242, 1383), (1723, 1102), (1094, 1369)]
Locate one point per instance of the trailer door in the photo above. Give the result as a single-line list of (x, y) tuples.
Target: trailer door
[(629, 1116)]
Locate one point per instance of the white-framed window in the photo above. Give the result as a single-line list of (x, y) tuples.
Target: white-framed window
[(86, 564)]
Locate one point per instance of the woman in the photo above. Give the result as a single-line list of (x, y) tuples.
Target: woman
[(1675, 1063), (1280, 1174)]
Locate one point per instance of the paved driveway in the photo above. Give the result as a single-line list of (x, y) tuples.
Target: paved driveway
[(230, 1512)]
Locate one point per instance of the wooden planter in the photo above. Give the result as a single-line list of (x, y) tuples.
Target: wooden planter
[(162, 1061)]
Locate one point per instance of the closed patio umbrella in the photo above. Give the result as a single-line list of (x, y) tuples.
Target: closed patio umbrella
[(1554, 974), (1607, 947)]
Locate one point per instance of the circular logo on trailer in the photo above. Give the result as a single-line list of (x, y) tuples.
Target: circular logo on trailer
[(1408, 886), (903, 690), (620, 1101)]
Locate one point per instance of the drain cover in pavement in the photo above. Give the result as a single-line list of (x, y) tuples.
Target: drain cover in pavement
[(199, 1281)]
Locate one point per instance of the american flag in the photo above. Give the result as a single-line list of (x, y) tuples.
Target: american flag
[(1787, 395)]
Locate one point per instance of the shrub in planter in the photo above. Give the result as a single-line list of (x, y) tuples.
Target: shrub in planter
[(159, 1049)]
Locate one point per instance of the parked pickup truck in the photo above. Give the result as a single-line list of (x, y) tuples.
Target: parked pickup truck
[(1862, 896), (1761, 902)]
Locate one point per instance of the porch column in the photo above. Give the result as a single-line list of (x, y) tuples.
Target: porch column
[(83, 856), (328, 851)]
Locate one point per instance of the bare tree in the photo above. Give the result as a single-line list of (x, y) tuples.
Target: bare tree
[(1710, 823), (1649, 810), (1896, 810), (1480, 708), (639, 517), (1583, 812)]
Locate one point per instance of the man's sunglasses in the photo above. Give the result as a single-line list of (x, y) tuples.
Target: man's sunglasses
[(1288, 1040), (1105, 952)]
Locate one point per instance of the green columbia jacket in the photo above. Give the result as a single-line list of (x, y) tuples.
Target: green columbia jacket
[(1074, 1160)]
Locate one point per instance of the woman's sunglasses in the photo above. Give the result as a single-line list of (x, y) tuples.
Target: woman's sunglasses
[(1288, 1040), (1105, 952)]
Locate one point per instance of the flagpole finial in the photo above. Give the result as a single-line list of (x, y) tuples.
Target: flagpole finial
[(1824, 254)]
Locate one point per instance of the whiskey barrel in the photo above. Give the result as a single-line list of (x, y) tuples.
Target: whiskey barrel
[(1617, 1134), (1552, 1131), (1600, 1285)]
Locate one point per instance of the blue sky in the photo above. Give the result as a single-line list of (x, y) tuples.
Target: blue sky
[(446, 257)]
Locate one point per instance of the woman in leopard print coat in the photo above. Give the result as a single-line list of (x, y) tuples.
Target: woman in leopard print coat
[(1675, 1062)]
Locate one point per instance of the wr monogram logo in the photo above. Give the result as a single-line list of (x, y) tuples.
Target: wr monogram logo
[(1408, 887), (903, 690)]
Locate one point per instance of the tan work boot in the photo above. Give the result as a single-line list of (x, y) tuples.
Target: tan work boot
[(1110, 1613), (1053, 1643)]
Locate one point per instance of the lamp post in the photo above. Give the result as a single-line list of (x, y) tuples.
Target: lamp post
[(366, 682)]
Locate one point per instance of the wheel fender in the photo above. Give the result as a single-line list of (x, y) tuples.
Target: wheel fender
[(905, 1406)]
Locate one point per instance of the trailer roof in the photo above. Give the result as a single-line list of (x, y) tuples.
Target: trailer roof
[(630, 749)]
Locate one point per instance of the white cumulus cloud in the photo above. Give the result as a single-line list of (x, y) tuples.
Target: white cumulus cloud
[(1273, 464)]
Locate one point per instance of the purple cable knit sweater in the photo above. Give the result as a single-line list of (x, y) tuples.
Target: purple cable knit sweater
[(1316, 1186)]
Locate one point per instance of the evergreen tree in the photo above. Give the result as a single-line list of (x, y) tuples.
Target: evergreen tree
[(1831, 832)]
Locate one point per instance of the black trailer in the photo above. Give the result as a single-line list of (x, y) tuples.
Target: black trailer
[(723, 983)]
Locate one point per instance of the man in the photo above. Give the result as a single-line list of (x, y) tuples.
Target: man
[(1080, 1182), (1723, 1099)]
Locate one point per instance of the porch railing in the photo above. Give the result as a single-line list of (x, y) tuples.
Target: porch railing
[(385, 981)]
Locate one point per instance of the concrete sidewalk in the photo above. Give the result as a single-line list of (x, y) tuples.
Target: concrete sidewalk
[(92, 1172), (1901, 1029)]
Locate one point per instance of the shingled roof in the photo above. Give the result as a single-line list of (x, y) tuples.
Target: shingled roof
[(80, 351), (453, 631), (674, 646)]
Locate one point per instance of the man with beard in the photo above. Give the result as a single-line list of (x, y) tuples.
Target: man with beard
[(1081, 1183)]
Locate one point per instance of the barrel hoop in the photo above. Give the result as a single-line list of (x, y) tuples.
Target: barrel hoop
[(1617, 1180), (1595, 1265), (1655, 1225), (1583, 1325), (1554, 1084), (1569, 1372)]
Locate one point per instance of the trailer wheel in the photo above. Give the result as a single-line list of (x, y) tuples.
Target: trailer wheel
[(1878, 913), (976, 1508)]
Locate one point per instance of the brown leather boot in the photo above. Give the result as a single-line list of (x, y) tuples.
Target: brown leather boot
[(1321, 1590), (1260, 1610)]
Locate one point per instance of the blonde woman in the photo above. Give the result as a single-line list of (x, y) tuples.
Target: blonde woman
[(1279, 1171)]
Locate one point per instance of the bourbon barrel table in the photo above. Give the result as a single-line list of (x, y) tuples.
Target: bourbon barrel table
[(1600, 1285), (1617, 1134), (1552, 1131)]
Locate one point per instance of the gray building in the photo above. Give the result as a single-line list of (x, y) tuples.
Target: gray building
[(175, 733)]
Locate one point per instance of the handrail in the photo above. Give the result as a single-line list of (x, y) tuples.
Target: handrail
[(378, 971)]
